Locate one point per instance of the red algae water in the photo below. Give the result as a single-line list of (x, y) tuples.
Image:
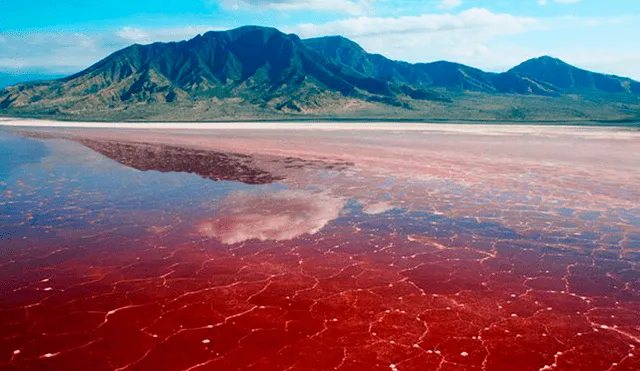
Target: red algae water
[(320, 250)]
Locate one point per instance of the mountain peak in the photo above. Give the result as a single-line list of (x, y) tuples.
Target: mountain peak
[(333, 43), (570, 78), (239, 32), (546, 61), (548, 66)]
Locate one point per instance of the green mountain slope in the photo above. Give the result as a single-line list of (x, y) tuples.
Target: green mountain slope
[(257, 72), (566, 77), (257, 66), (442, 74), (344, 51)]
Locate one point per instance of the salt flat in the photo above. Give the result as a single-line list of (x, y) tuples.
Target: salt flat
[(489, 128)]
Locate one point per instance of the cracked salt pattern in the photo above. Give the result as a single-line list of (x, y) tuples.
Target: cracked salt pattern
[(335, 268)]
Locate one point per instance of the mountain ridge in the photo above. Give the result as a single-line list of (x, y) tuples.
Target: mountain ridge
[(255, 71)]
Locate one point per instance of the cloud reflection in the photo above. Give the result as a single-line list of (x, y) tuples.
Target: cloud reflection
[(377, 208), (283, 215)]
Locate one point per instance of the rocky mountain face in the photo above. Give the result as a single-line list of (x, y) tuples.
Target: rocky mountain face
[(542, 76), (568, 78), (258, 72)]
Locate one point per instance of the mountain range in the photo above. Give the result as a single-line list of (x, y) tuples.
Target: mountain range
[(261, 73)]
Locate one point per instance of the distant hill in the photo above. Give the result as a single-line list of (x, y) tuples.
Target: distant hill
[(569, 78), (440, 74), (256, 72)]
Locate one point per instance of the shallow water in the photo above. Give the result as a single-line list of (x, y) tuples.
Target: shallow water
[(148, 255)]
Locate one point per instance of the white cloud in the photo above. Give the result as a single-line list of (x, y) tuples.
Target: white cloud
[(449, 4), (55, 52), (545, 2), (472, 21), (69, 52), (146, 36), (463, 36), (133, 34), (621, 64), (335, 6)]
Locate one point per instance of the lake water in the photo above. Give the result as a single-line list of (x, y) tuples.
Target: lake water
[(433, 251)]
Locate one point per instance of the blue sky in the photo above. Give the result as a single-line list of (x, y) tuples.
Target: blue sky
[(66, 36)]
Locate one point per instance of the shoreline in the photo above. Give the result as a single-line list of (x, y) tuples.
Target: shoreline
[(347, 119), (373, 126)]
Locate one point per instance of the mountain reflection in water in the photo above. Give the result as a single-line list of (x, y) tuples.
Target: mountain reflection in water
[(208, 164)]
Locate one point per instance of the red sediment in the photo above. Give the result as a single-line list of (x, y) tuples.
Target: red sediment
[(307, 304), (443, 282)]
